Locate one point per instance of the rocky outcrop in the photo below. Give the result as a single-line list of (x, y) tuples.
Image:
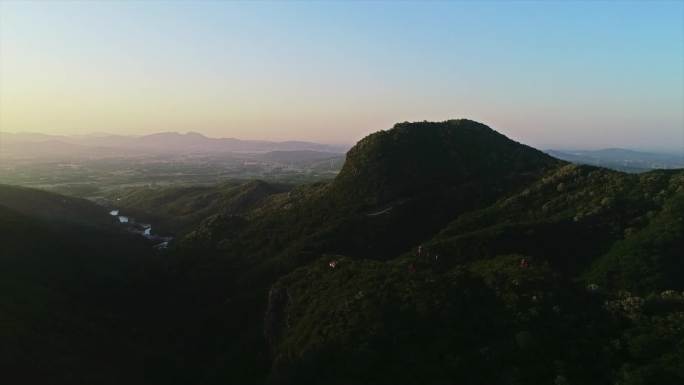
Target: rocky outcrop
[(274, 319)]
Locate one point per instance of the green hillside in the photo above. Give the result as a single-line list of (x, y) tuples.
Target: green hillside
[(397, 188), (442, 253), (179, 210), (478, 204)]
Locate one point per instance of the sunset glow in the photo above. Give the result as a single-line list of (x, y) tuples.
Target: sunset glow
[(552, 74)]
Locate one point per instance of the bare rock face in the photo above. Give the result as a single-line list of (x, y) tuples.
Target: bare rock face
[(274, 320)]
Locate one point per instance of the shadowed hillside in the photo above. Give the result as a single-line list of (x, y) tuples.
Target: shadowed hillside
[(52, 207), (414, 159), (479, 204), (71, 292), (395, 189), (442, 253)]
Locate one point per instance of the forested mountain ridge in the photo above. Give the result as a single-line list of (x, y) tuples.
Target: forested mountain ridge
[(477, 219), (416, 158), (179, 210), (442, 253), (393, 180)]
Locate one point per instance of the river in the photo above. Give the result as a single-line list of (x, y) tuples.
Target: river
[(143, 229)]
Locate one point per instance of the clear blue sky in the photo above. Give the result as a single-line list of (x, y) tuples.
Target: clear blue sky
[(551, 74)]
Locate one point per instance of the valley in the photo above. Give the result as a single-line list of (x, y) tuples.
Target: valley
[(439, 252), (85, 167), (200, 192)]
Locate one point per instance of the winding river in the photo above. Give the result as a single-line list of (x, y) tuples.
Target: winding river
[(143, 229)]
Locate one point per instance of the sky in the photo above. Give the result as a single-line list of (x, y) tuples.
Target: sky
[(550, 74)]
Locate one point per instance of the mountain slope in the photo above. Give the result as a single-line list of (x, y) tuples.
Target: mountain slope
[(239, 257), (416, 158), (442, 253), (514, 247), (52, 207), (618, 235), (395, 189), (70, 292), (178, 210)]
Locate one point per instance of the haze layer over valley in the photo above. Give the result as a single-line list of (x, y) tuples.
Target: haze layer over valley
[(94, 166)]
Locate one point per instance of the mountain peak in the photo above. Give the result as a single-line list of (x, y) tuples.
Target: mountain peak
[(418, 156), (466, 124)]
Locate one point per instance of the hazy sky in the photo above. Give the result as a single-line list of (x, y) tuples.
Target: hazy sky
[(551, 74)]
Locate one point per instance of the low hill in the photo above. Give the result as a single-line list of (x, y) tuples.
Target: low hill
[(53, 207), (178, 210)]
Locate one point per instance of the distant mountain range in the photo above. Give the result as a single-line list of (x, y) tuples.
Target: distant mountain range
[(621, 159), (43, 146)]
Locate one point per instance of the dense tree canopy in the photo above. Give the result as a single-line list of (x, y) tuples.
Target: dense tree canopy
[(443, 253)]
